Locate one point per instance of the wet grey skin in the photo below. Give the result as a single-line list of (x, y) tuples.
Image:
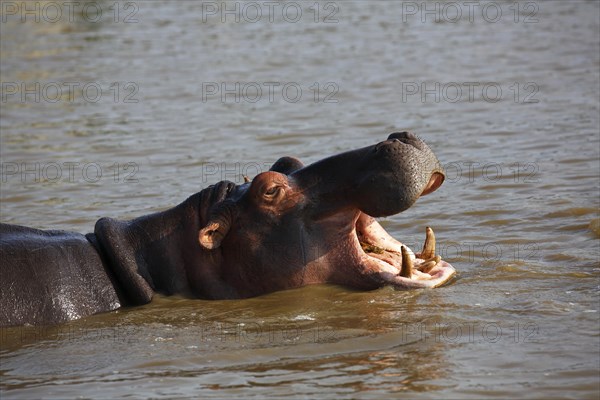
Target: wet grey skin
[(291, 226)]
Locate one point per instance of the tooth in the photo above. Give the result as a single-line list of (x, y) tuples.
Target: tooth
[(407, 264), (370, 248), (429, 246), (429, 264), (437, 259)]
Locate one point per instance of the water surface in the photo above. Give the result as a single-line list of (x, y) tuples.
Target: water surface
[(518, 215)]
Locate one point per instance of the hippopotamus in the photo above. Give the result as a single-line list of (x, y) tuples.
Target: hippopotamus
[(291, 226)]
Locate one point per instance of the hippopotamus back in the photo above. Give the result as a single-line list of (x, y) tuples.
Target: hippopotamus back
[(63, 266)]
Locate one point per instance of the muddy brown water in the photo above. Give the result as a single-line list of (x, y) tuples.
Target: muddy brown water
[(509, 102)]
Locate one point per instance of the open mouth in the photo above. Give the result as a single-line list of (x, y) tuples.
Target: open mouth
[(397, 264)]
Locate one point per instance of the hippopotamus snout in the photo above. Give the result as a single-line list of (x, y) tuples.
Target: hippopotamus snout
[(380, 180), (399, 170)]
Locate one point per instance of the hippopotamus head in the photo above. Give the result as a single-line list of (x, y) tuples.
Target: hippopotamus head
[(296, 225)]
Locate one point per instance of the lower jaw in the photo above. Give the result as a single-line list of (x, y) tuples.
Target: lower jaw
[(389, 274), (397, 264)]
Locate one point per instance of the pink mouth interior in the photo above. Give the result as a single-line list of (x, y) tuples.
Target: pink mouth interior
[(382, 254)]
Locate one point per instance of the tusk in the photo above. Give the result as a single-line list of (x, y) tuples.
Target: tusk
[(407, 264), (429, 246), (437, 259), (429, 264)]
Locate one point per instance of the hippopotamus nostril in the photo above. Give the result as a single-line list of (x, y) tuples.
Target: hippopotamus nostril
[(403, 136), (395, 146), (407, 138)]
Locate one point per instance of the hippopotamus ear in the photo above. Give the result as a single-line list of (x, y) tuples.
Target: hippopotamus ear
[(211, 236), (213, 233), (287, 165)]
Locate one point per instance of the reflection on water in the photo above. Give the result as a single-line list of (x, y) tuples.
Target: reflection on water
[(258, 342), (131, 118)]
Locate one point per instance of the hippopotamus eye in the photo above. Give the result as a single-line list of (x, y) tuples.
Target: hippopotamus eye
[(272, 191)]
